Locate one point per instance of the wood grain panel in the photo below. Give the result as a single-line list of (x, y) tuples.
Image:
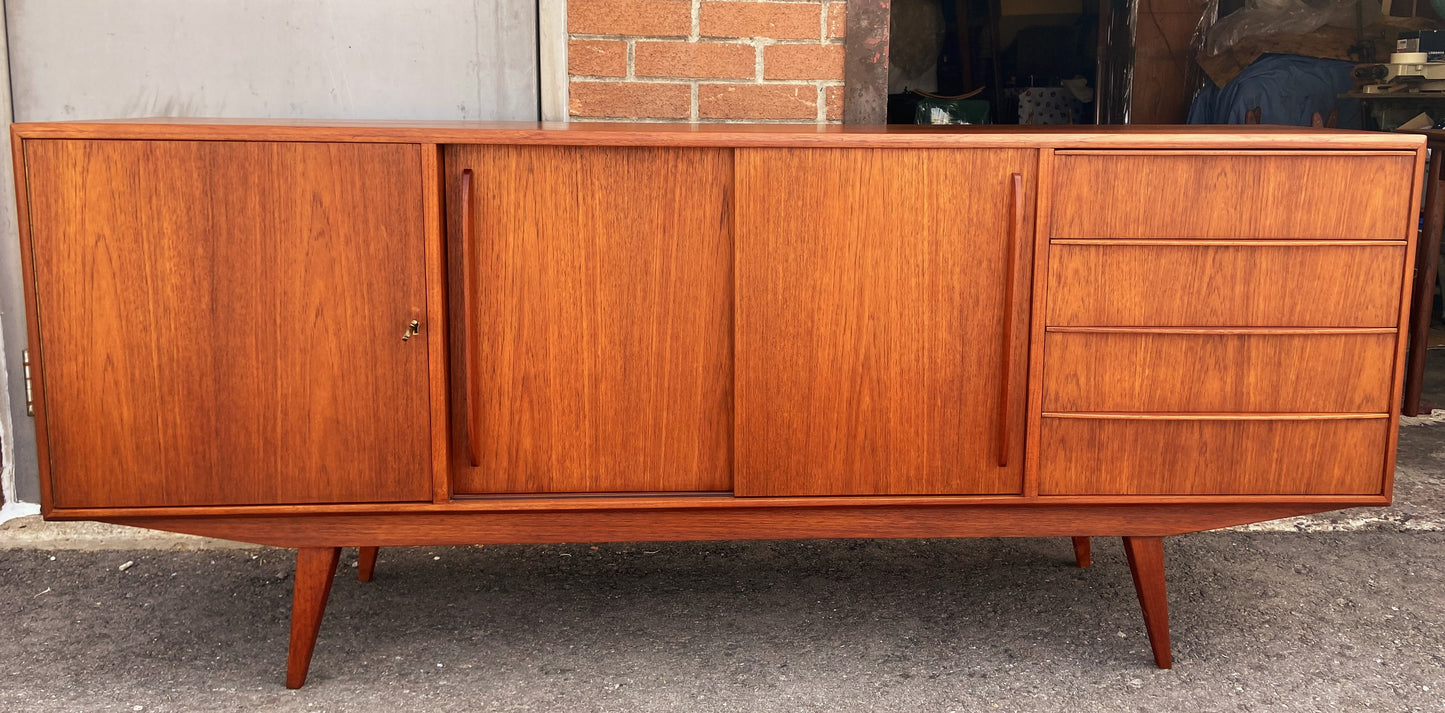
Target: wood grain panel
[(589, 502), (604, 321), (1351, 373), (1225, 285), (434, 226), (726, 135), (221, 323), (870, 314), (1034, 518), (1178, 195), (1084, 456), (32, 325)]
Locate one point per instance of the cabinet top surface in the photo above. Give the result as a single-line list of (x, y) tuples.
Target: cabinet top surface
[(723, 135)]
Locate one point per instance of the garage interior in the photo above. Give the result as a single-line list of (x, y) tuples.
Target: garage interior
[(1159, 62)]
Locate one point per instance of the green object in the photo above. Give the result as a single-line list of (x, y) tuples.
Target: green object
[(951, 111)]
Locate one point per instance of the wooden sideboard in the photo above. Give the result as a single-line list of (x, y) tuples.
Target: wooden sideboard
[(320, 335)]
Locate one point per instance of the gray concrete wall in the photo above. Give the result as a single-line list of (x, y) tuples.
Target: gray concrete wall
[(18, 474), (322, 59)]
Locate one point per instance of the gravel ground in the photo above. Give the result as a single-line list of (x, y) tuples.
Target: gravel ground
[(1261, 621)]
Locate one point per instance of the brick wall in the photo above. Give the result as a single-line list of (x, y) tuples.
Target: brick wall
[(706, 60)]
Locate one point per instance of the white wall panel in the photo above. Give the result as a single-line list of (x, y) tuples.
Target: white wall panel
[(323, 59)]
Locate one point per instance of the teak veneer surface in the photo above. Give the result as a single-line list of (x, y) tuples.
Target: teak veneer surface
[(603, 318), (1331, 195), (1168, 137), (1146, 565), (1165, 372), (870, 319), (1268, 285), (1166, 456), (1021, 519), (220, 322)]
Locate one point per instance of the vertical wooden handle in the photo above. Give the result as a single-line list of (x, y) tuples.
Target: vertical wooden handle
[(469, 321), (1005, 396)]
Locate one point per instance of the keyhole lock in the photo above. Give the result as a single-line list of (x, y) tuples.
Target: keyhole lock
[(411, 330)]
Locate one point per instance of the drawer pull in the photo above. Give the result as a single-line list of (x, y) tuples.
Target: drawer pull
[(411, 331), (469, 321), (1005, 399)]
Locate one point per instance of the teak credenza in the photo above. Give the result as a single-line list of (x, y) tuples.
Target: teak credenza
[(319, 335)]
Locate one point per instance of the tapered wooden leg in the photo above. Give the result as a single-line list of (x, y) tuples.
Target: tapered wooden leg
[(365, 563), (1146, 563), (315, 571), (1082, 553)]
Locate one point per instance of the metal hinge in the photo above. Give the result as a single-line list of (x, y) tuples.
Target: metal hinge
[(29, 401)]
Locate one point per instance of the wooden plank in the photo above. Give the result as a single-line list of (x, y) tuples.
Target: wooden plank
[(222, 321), (1243, 196), (1036, 328), (477, 504), (1401, 365), (1215, 416), (1225, 286), (1086, 456), (454, 528), (1426, 268), (605, 311), (1219, 372), (1248, 243), (869, 318), (434, 225), (1218, 138), (32, 322), (1222, 330)]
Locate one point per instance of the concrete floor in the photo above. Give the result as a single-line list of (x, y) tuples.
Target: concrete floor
[(1342, 612)]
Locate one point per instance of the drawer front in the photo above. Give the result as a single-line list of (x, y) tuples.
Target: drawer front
[(1204, 373), (1130, 456), (1225, 285), (1319, 195)]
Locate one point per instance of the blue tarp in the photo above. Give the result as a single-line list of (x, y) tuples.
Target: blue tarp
[(1287, 88)]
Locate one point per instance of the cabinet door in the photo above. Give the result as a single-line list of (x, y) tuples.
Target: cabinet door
[(220, 322), (874, 301), (600, 343)]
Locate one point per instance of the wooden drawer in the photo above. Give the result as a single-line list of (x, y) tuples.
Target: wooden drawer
[(1268, 285), (1264, 195), (1154, 456), (1194, 373)]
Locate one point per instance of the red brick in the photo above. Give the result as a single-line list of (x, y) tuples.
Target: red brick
[(703, 60), (837, 20), (777, 21), (630, 100), (654, 18), (833, 97), (757, 101), (597, 58), (803, 62)]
